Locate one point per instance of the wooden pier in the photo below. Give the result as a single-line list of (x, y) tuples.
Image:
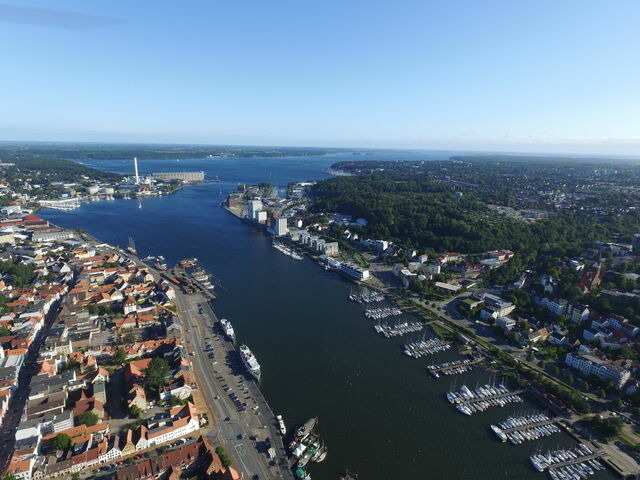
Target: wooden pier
[(573, 461), (489, 398), (522, 428), (459, 364)]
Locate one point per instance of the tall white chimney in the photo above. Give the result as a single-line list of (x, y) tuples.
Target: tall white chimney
[(135, 166)]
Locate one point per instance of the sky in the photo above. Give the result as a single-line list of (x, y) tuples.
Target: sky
[(522, 76)]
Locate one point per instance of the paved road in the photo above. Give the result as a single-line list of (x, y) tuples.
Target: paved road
[(19, 398), (243, 433)]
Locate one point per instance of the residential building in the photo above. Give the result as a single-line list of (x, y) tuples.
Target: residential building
[(448, 288), (280, 226), (354, 271), (589, 364), (253, 207), (495, 307)]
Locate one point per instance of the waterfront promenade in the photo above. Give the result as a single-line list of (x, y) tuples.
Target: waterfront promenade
[(243, 434), (246, 434)]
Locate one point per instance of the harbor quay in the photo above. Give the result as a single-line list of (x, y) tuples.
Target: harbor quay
[(242, 420)]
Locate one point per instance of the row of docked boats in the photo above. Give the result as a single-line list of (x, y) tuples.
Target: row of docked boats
[(378, 313), (454, 367), (157, 261), (248, 358), (423, 347), (469, 401), (188, 263), (398, 329), (366, 296), (534, 433), (202, 277), (307, 446), (290, 252), (568, 464), (518, 430)]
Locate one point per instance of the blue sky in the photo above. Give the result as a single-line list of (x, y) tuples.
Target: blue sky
[(532, 76)]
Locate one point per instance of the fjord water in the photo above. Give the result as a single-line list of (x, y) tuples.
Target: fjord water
[(379, 413)]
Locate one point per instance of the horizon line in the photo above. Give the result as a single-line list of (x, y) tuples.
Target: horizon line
[(506, 152)]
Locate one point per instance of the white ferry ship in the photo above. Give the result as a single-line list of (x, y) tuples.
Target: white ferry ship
[(227, 328), (250, 362)]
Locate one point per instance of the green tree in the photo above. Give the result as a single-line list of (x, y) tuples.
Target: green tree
[(601, 393), (88, 418), (224, 458), (129, 337), (3, 305), (135, 411), (120, 356), (21, 274), (62, 442), (175, 401), (4, 331), (155, 376)]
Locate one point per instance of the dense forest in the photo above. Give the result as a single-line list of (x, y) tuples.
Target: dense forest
[(416, 212)]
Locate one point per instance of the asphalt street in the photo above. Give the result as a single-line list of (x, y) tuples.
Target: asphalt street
[(245, 425)]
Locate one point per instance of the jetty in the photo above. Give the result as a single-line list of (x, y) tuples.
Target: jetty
[(425, 347), (473, 401), (401, 328), (525, 428), (455, 367), (566, 464), (378, 313)]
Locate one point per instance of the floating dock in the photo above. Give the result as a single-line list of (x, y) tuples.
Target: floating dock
[(425, 347), (525, 428), (579, 462), (482, 398), (398, 329), (453, 368), (378, 313)]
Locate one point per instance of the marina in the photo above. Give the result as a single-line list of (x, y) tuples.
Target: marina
[(568, 464), (454, 367), (480, 399), (378, 313), (398, 329), (521, 429), (425, 347), (366, 296)]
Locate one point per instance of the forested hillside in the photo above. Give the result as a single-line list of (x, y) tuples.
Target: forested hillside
[(418, 213)]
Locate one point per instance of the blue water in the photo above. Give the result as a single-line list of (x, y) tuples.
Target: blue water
[(379, 413)]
